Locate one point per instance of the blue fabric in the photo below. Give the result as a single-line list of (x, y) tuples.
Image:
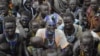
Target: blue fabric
[(51, 19), (76, 21), (60, 27)]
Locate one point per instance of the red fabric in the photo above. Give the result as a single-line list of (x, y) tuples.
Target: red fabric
[(92, 20)]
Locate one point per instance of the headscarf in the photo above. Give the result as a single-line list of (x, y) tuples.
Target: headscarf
[(51, 19)]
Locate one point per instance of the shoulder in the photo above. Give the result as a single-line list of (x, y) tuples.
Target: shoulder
[(59, 31), (76, 46), (78, 27), (41, 30)]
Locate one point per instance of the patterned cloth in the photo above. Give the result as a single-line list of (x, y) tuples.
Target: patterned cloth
[(57, 18), (92, 20)]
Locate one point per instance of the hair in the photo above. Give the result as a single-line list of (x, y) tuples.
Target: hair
[(33, 21), (76, 1), (10, 19), (69, 15), (26, 13), (86, 35), (73, 0), (46, 4)]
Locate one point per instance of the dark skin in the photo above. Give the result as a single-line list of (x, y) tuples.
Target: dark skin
[(3, 11), (86, 44), (50, 31), (97, 29), (10, 32), (45, 10), (72, 4), (33, 29), (35, 5), (28, 4), (24, 21), (51, 28), (35, 26), (65, 3), (37, 42), (10, 29), (69, 27), (3, 8), (94, 5), (86, 4)]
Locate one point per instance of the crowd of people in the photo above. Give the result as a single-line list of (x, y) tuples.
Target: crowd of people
[(49, 27)]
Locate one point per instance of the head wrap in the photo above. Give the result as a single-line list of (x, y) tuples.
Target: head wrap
[(51, 19)]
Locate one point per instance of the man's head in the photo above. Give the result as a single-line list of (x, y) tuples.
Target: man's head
[(35, 4), (68, 19), (94, 4), (73, 4), (86, 41), (51, 26), (28, 3), (87, 2), (25, 18), (65, 2), (34, 26), (98, 20), (9, 25), (37, 42), (3, 6), (45, 8)]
